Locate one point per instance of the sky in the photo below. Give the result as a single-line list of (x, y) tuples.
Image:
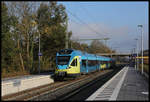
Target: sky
[(115, 20)]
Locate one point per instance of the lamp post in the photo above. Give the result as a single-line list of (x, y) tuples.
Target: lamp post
[(137, 60), (141, 26), (134, 58)]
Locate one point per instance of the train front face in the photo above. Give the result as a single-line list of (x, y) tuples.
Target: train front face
[(67, 64)]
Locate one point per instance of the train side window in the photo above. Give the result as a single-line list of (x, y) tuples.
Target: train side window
[(84, 62)]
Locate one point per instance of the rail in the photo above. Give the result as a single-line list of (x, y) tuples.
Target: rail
[(55, 89)]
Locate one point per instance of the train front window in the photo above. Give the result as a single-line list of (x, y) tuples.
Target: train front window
[(63, 60)]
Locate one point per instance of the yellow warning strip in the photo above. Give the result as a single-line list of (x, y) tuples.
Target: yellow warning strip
[(145, 57)]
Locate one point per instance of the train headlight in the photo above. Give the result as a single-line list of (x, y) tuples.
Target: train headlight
[(68, 67)]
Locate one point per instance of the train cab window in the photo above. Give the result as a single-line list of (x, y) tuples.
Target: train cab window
[(74, 62), (63, 60)]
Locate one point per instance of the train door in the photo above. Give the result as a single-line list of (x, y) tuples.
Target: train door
[(83, 66), (99, 63), (102, 65), (78, 63), (87, 67)]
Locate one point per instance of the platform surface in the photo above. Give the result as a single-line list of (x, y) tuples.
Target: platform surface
[(134, 87), (128, 84), (21, 83), (11, 79)]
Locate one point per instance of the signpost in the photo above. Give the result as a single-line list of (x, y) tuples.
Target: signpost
[(39, 54)]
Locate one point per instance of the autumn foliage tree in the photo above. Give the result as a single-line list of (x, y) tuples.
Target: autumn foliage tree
[(7, 42), (22, 23), (51, 20)]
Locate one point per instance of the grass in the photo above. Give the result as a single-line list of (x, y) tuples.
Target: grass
[(13, 74)]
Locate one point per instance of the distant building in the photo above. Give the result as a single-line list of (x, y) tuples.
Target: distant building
[(146, 56), (145, 53)]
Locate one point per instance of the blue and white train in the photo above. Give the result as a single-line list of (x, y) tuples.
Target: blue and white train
[(71, 63)]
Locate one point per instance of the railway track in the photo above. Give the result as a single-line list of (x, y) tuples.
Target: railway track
[(84, 91), (56, 90)]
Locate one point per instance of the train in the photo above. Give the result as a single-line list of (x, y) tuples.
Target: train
[(73, 63)]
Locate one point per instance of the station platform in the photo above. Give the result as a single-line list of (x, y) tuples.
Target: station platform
[(128, 84), (21, 83)]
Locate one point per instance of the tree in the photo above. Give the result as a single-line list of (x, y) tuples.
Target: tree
[(21, 25), (7, 41), (98, 47), (51, 20), (24, 31)]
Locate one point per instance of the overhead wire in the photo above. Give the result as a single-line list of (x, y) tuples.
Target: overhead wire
[(81, 21), (91, 17)]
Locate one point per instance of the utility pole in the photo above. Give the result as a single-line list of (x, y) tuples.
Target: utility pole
[(66, 41), (111, 51), (141, 26), (39, 54)]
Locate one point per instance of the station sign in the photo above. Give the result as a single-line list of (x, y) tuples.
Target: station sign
[(134, 55), (39, 54)]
